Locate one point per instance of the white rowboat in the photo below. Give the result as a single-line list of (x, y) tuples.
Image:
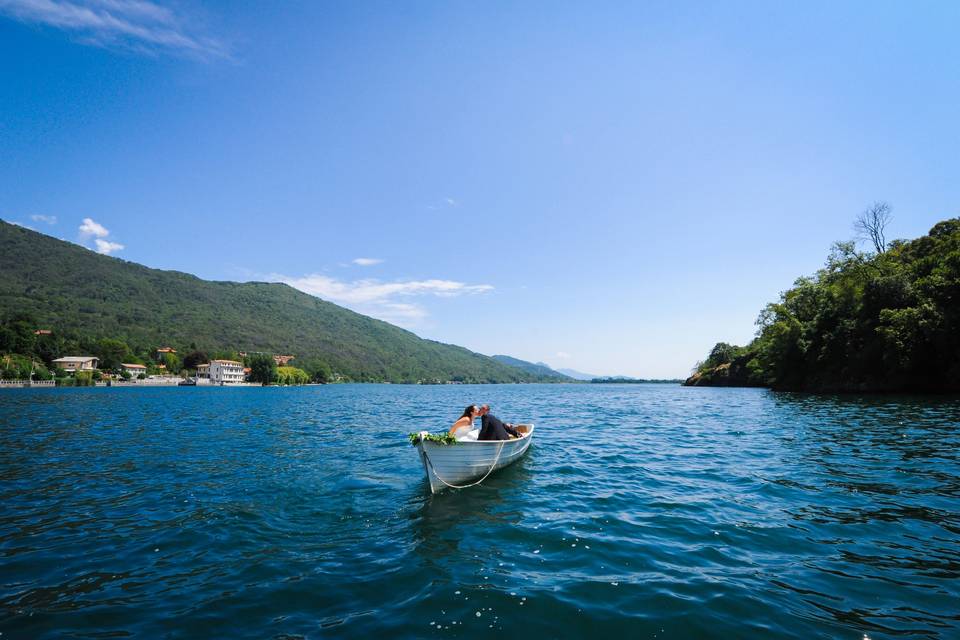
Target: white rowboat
[(469, 462)]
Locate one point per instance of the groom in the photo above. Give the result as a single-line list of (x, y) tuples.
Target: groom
[(492, 429)]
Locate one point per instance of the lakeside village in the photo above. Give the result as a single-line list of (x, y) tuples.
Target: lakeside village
[(164, 368), (31, 357)]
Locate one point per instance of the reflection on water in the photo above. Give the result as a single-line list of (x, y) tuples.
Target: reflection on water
[(439, 516), (640, 511)]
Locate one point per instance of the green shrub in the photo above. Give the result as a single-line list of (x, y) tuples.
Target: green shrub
[(292, 375)]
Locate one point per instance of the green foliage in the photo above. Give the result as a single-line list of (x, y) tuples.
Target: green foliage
[(439, 438), (172, 362), (20, 367), (85, 297), (865, 322), (17, 334), (111, 352), (194, 358), (226, 354), (291, 375), (125, 374), (42, 373), (318, 370), (722, 353), (263, 368)]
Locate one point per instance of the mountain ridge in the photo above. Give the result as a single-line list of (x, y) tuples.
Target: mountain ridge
[(87, 297), (577, 375), (539, 368)]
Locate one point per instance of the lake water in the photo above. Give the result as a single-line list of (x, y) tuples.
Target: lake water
[(641, 511)]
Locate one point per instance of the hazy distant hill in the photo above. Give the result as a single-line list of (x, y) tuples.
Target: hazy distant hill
[(87, 296), (577, 375), (537, 369), (629, 380)]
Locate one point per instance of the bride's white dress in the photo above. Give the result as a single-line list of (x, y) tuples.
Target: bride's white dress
[(466, 432)]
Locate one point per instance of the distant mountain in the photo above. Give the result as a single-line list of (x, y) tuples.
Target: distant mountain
[(577, 375), (629, 380), (539, 369), (85, 298)]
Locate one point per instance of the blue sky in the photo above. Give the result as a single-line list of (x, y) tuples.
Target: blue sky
[(610, 188)]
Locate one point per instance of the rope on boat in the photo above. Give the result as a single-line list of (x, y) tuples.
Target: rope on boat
[(472, 484)]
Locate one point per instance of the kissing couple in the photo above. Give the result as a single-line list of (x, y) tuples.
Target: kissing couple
[(491, 427)]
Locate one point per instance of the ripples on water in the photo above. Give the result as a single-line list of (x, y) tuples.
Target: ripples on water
[(642, 510)]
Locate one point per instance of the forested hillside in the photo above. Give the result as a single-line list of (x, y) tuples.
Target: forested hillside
[(86, 299)]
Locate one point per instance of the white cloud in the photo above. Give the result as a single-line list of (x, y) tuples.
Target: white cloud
[(563, 355), (367, 262), (107, 247), (137, 25), (401, 314), (92, 229), (447, 202), (47, 219), (369, 290), (385, 300)]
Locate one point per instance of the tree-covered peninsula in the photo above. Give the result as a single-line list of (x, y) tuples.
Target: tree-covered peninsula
[(883, 320)]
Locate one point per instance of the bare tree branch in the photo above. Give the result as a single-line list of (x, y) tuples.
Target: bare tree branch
[(870, 225)]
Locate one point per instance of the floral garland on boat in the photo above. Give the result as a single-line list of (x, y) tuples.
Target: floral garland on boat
[(438, 438)]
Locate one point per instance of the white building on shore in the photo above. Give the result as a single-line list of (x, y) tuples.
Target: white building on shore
[(226, 372), (72, 364), (134, 369)]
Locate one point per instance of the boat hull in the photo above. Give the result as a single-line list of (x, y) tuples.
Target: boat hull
[(466, 462)]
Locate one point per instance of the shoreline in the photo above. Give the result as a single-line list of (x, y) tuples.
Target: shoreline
[(170, 385)]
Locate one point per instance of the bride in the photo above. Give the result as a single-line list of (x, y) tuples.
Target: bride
[(464, 424)]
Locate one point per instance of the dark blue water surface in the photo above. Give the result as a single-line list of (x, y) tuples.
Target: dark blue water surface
[(647, 511)]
